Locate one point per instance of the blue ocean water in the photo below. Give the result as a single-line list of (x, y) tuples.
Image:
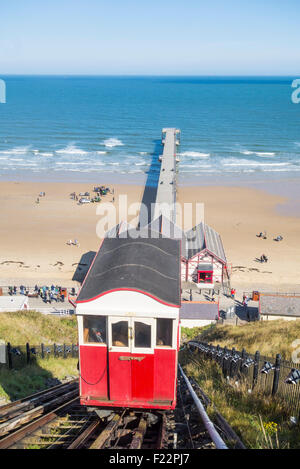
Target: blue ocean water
[(90, 127)]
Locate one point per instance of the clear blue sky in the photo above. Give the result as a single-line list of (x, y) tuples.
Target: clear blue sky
[(198, 37)]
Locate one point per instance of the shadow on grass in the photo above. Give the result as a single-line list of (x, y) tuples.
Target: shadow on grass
[(25, 379)]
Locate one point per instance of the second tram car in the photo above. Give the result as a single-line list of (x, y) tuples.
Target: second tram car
[(128, 323)]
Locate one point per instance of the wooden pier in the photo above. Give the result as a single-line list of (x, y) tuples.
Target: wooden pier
[(166, 190)]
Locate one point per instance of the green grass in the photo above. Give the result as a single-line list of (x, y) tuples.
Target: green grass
[(190, 333), (15, 384), (33, 327), (242, 409), (36, 328), (269, 337)]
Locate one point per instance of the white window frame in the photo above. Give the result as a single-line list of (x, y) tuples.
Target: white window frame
[(149, 322), (131, 332), (80, 333), (113, 320), (174, 335)]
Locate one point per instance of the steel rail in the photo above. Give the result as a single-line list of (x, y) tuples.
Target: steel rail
[(17, 405), (21, 433), (217, 440), (222, 423)]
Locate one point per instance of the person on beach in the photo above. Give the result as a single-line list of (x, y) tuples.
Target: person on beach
[(232, 293), (263, 258)]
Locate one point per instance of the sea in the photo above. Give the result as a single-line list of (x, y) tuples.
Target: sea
[(90, 128)]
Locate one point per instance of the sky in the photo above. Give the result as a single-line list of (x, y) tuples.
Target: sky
[(150, 37)]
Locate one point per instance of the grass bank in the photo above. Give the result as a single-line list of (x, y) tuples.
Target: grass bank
[(15, 384), (36, 328), (33, 327), (269, 337), (260, 421)]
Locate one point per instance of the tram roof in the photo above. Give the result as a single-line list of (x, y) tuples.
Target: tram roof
[(147, 265)]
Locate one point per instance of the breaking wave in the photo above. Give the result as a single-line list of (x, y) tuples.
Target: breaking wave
[(112, 142)]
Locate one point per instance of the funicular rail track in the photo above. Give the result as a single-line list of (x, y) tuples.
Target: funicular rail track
[(54, 419), (219, 430), (71, 426)]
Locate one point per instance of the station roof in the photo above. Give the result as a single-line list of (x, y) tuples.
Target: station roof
[(199, 310), (279, 305), (203, 237), (194, 240), (148, 265)]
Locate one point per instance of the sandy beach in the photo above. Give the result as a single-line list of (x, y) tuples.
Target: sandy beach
[(33, 237)]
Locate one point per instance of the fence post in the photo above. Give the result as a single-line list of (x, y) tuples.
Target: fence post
[(42, 351), (218, 350), (276, 374), (65, 354), (73, 351), (241, 361), (54, 350), (231, 363), (224, 361), (9, 355), (255, 368), (27, 353)]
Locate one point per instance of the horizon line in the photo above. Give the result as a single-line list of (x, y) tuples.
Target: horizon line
[(148, 75)]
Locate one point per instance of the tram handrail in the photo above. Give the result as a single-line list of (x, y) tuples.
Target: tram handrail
[(218, 441)]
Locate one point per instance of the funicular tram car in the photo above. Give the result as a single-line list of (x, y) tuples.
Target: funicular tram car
[(128, 322)]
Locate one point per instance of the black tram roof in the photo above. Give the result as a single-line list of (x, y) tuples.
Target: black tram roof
[(149, 265)]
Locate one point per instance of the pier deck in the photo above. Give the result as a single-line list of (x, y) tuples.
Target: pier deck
[(166, 190)]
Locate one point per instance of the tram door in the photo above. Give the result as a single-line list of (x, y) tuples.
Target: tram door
[(131, 358)]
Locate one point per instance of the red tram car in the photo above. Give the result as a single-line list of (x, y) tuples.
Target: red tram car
[(128, 323)]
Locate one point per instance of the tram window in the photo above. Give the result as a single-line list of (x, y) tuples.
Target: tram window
[(94, 329), (164, 328), (142, 335), (119, 332)]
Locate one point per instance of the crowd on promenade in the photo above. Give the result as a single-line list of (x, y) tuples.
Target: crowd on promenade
[(46, 293)]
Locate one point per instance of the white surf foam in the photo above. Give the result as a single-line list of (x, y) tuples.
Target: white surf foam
[(16, 151), (238, 162), (258, 153), (112, 142), (68, 163), (71, 150), (195, 154)]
